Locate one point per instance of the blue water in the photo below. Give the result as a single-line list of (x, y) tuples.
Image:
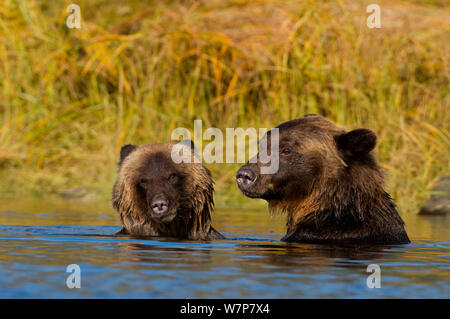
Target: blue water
[(250, 263)]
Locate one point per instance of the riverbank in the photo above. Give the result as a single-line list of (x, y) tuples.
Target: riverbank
[(69, 98)]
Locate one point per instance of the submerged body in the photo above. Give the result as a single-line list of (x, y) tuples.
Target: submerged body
[(157, 197), (328, 183)]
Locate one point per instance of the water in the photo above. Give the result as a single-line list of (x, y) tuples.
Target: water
[(38, 240)]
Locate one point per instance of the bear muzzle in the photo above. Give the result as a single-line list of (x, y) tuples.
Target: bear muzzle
[(160, 205), (245, 178), (161, 209)]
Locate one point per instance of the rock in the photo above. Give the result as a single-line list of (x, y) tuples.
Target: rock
[(78, 193), (439, 202)]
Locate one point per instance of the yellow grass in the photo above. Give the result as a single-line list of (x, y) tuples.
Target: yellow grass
[(138, 69)]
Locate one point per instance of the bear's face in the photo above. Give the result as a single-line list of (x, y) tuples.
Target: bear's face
[(298, 167), (154, 185), (312, 150), (159, 183)]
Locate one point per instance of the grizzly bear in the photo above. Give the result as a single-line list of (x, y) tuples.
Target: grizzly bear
[(156, 196), (328, 183)]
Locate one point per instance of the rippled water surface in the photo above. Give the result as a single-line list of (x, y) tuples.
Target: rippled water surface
[(38, 240)]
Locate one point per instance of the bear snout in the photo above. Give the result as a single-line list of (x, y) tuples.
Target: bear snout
[(160, 205), (245, 177)]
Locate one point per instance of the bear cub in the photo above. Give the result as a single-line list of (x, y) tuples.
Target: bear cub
[(156, 196)]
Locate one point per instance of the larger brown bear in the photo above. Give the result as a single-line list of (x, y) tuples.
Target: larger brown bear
[(328, 183), (156, 196)]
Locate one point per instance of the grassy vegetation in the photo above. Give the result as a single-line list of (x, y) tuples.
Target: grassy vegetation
[(138, 69)]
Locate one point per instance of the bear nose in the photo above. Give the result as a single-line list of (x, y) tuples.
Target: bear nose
[(245, 177), (160, 206)]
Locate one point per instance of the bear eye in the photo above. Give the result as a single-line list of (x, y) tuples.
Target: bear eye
[(143, 181), (285, 151), (173, 177)]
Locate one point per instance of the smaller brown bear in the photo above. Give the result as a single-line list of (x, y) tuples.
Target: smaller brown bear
[(328, 183), (156, 196)]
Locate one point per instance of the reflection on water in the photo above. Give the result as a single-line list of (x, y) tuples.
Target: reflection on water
[(38, 240)]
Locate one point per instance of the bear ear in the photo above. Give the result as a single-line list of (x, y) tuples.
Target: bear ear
[(125, 151), (357, 142)]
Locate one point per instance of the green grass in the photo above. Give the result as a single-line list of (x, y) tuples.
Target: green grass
[(70, 98)]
